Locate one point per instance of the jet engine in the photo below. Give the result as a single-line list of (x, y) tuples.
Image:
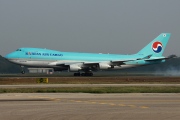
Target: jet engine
[(75, 67), (104, 66)]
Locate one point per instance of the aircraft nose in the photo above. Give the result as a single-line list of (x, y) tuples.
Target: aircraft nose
[(7, 56)]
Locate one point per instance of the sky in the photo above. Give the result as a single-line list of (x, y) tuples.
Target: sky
[(93, 26)]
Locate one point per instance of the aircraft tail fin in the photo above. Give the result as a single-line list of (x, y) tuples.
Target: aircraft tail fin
[(157, 46)]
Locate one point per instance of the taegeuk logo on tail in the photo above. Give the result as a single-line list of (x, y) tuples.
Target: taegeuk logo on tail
[(157, 47)]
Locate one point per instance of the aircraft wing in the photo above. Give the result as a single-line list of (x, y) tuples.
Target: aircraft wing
[(87, 63), (94, 65), (121, 61), (110, 62), (59, 63)]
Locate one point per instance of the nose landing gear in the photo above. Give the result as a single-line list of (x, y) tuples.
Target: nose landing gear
[(22, 70)]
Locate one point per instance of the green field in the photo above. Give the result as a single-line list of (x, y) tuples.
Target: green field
[(129, 89)]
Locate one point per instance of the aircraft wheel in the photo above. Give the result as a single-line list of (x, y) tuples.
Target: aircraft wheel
[(90, 74), (76, 74), (83, 74), (86, 74), (23, 72)]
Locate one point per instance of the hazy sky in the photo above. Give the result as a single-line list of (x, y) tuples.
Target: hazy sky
[(96, 26)]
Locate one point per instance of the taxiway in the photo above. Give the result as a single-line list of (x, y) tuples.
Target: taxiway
[(82, 106)]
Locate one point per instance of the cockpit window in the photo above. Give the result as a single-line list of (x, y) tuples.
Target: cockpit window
[(18, 50)]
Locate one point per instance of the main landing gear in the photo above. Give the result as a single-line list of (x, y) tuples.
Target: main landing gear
[(83, 74)]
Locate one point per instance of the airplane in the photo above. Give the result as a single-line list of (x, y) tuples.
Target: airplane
[(84, 64)]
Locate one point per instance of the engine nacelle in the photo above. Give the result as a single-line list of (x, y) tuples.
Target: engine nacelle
[(75, 67), (104, 66)]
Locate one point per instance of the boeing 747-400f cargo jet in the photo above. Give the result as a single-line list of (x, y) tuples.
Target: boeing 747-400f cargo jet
[(83, 64)]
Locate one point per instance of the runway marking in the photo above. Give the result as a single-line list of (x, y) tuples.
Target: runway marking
[(144, 107), (122, 105), (86, 101), (92, 102), (78, 101), (102, 103), (112, 104), (131, 105)]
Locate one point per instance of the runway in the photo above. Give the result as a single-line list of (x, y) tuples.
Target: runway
[(82, 106), (86, 85)]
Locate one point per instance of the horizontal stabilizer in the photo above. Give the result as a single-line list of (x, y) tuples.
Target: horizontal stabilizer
[(147, 57), (156, 59)]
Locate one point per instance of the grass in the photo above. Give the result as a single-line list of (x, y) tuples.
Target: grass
[(128, 89)]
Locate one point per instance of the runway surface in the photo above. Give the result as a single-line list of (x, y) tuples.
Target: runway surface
[(81, 106), (84, 85)]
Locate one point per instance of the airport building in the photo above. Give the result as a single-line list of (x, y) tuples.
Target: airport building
[(41, 70)]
